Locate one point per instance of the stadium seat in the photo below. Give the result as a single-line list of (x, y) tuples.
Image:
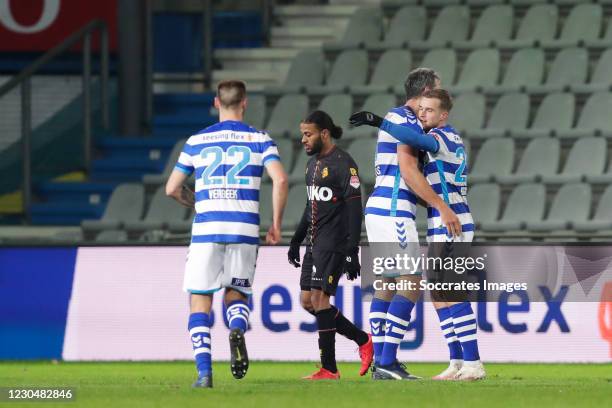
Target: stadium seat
[(495, 158), (349, 69), (296, 203), (525, 204), (392, 68), (602, 220), (605, 41), (153, 180), (526, 68), (408, 24), (605, 178), (420, 218), (162, 210), (568, 68), (540, 159), (286, 153), (601, 79), (307, 69), (484, 201), (582, 24), (595, 117), (363, 152), (286, 115), (451, 24), (255, 114), (380, 104), (443, 61), (571, 204), (468, 112), (586, 158), (480, 70), (511, 110), (555, 113), (494, 25), (339, 107), (297, 175), (182, 226), (539, 24), (365, 25), (124, 205)]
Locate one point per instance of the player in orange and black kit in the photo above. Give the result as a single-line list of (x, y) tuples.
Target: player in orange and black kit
[(332, 222)]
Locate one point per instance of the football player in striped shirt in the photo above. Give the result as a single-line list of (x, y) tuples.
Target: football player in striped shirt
[(446, 171), (390, 222), (228, 160)]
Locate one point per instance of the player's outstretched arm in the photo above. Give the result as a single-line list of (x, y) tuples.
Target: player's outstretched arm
[(280, 187), (404, 134), (176, 188), (413, 177)]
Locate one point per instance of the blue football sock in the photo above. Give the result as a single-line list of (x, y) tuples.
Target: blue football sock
[(446, 324), (464, 323), (199, 333), (398, 317), (378, 317), (238, 315)]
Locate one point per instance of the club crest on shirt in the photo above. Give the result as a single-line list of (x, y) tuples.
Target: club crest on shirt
[(353, 171), (325, 172)]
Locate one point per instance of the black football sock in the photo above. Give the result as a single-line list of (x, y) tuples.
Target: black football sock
[(346, 328), (326, 322)]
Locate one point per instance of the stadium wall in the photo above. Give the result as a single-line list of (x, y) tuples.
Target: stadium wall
[(126, 303)]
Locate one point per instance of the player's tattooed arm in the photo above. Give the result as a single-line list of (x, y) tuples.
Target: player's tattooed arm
[(176, 188), (413, 177)]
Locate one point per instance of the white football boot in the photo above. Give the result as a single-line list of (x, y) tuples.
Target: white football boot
[(471, 371), (450, 372)]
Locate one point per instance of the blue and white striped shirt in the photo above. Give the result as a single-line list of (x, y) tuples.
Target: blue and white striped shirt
[(228, 159), (391, 196), (446, 172)]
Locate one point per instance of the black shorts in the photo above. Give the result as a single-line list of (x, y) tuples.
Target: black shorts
[(322, 270), (440, 273)]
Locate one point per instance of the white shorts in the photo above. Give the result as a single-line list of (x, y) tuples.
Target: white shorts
[(212, 266), (389, 236)]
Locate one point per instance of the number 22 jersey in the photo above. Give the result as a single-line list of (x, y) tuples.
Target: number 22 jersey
[(228, 159)]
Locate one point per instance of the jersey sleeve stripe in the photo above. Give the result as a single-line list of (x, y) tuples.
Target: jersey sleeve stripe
[(271, 158), (184, 169)]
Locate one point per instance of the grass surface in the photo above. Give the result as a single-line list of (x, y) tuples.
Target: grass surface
[(279, 385)]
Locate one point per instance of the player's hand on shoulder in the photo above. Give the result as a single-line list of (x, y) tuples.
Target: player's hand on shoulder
[(273, 236), (294, 254), (365, 118), (352, 268)]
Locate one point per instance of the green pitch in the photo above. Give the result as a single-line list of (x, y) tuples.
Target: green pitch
[(278, 385)]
